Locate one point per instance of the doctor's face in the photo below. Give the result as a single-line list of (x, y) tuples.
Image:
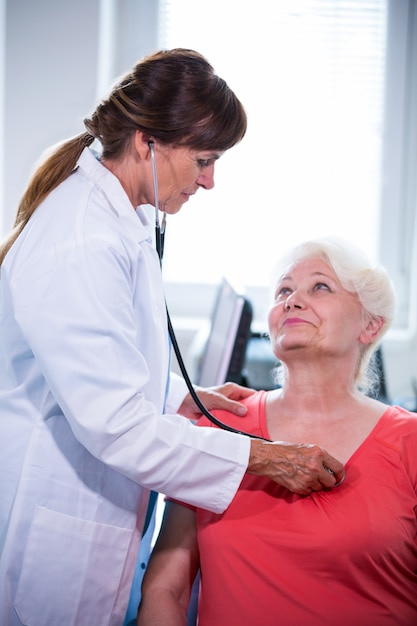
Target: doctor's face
[(181, 173)]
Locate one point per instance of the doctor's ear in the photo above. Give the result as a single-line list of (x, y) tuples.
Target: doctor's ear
[(143, 142)]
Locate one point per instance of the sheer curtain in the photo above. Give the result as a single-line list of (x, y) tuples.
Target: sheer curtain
[(310, 74)]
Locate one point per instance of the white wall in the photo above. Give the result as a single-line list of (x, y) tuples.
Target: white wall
[(52, 71), (51, 61), (2, 116)]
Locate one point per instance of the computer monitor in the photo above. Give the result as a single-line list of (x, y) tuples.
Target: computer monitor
[(224, 351), (260, 363), (381, 392)]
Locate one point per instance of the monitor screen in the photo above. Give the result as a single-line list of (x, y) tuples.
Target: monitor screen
[(381, 391), (225, 348)]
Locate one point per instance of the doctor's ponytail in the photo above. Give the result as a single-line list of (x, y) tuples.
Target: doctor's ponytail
[(59, 162)]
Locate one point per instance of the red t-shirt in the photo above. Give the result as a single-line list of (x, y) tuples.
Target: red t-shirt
[(341, 557)]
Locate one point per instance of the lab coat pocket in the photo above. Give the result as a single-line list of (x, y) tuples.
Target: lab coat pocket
[(71, 571)]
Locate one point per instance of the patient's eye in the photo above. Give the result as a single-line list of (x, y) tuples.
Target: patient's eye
[(282, 292), (322, 286)]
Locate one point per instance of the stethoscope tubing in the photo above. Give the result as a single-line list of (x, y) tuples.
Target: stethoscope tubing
[(193, 393), (159, 244)]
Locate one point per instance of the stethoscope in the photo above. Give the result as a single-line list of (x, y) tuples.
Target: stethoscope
[(159, 244)]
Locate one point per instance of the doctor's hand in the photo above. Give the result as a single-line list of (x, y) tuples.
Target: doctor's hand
[(224, 397), (301, 468)]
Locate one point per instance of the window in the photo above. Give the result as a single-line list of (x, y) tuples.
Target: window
[(398, 232), (311, 75)]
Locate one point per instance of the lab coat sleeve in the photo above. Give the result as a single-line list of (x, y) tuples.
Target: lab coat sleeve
[(74, 306), (176, 393)]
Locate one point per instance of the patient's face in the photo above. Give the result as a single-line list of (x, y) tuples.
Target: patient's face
[(313, 314)]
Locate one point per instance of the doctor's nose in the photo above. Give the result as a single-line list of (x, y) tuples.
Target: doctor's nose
[(206, 178)]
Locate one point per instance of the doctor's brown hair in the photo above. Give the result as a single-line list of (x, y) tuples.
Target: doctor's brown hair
[(174, 96)]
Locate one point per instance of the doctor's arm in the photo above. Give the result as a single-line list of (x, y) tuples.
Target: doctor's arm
[(301, 468), (167, 584)]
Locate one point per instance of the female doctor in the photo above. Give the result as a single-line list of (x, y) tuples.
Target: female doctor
[(89, 418)]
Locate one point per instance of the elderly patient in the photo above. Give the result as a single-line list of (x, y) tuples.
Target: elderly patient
[(347, 556)]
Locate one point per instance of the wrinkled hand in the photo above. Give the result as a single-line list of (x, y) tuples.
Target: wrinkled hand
[(301, 468), (225, 397)]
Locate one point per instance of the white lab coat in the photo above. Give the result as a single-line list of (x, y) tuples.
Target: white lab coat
[(83, 376)]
